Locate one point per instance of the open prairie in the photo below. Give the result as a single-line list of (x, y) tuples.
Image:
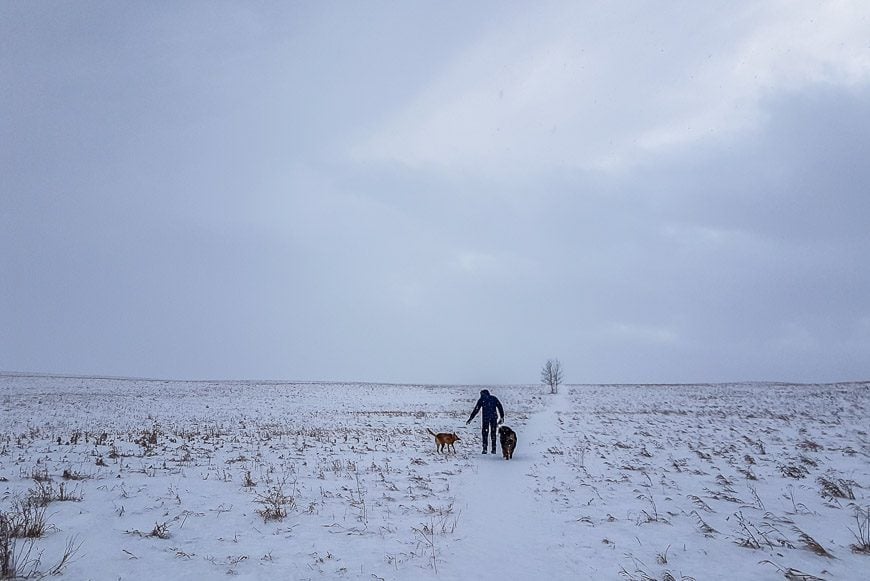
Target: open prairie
[(138, 479)]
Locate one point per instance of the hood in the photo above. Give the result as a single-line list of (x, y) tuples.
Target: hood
[(484, 392)]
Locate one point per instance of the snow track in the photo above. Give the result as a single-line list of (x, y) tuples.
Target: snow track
[(506, 527)]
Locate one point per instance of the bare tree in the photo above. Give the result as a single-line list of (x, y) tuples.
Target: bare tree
[(551, 374)]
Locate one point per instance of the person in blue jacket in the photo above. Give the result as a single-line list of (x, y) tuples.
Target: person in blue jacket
[(493, 415)]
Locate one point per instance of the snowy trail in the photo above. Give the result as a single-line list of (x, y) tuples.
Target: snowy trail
[(504, 530)]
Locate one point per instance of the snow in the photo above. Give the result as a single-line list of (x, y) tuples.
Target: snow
[(607, 482)]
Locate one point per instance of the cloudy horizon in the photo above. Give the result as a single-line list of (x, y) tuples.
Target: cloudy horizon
[(436, 192)]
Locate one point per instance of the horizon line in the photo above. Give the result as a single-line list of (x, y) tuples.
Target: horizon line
[(61, 375)]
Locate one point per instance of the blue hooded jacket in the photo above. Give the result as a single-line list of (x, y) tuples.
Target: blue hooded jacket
[(490, 405)]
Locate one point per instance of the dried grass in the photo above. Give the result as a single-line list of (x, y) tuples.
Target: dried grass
[(862, 535), (795, 471), (811, 544), (837, 488), (276, 502)]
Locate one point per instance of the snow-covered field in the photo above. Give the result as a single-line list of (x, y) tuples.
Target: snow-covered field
[(263, 480)]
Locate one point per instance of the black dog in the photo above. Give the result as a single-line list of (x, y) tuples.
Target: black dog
[(508, 439)]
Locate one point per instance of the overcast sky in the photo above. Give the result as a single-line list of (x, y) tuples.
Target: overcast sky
[(436, 191)]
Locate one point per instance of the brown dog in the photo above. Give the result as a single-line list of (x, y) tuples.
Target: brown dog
[(508, 439), (444, 441)]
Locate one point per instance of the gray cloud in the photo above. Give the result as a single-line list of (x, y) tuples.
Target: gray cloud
[(292, 192)]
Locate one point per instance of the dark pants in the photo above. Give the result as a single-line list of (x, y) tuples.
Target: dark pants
[(490, 426)]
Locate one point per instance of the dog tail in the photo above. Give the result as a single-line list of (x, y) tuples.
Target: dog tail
[(430, 431)]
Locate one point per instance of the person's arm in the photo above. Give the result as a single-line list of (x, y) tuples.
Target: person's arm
[(500, 411), (474, 413)]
